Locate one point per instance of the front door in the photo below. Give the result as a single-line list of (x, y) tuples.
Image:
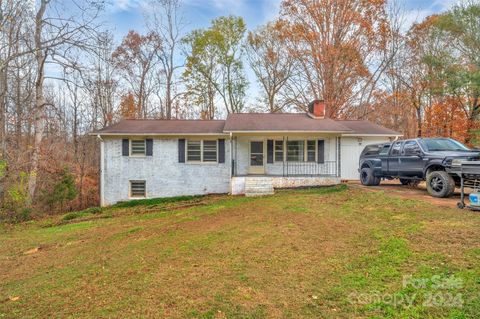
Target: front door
[(256, 158)]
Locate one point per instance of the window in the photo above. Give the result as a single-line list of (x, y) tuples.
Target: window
[(137, 189), (137, 147), (311, 151), (202, 151), (411, 147), (442, 144), (194, 153), (295, 151), (278, 151), (209, 151), (384, 149), (396, 148)]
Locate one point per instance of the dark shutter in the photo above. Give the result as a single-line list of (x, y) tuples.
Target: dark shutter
[(269, 151), (321, 151), (125, 147), (221, 150), (181, 150), (149, 147)]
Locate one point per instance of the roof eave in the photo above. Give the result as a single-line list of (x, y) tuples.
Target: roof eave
[(288, 131), (155, 134), (367, 134)]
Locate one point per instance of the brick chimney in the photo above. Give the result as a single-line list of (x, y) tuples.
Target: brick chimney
[(316, 109)]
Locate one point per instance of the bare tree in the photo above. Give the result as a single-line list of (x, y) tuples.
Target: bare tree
[(164, 18), (136, 58), (272, 64), (55, 33)]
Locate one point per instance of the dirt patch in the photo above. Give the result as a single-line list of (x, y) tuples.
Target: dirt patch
[(408, 192)]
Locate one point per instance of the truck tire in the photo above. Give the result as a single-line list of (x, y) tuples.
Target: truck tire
[(440, 184), (367, 178)]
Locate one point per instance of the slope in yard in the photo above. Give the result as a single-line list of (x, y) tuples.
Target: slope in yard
[(328, 252)]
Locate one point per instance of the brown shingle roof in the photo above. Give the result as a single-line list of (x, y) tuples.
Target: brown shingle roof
[(245, 122), (164, 127), (367, 127), (280, 122)]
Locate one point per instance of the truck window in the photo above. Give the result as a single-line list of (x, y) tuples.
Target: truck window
[(371, 150), (384, 150), (411, 145), (396, 148)]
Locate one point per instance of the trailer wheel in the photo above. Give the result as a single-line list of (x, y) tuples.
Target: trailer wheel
[(367, 178), (460, 205), (440, 184)]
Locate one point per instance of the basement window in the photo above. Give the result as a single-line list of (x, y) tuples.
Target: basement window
[(137, 189)]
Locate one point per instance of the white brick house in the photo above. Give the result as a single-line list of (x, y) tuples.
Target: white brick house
[(244, 154)]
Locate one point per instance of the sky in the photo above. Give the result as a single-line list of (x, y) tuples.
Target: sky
[(125, 15)]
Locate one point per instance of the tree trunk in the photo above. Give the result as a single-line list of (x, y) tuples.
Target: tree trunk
[(39, 112)]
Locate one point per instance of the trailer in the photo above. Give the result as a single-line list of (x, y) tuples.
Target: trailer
[(469, 174)]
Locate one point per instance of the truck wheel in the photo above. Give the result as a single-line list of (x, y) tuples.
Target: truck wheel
[(367, 178), (440, 184)]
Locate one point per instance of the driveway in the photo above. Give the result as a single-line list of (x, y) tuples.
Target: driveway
[(419, 192)]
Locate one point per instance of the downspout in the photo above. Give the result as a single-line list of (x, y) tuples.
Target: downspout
[(231, 164), (102, 170), (232, 173)]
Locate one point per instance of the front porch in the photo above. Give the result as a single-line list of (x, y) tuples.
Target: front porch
[(262, 163)]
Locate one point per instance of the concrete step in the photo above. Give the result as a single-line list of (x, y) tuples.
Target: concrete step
[(258, 186)]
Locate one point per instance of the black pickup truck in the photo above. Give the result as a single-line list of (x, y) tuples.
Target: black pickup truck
[(415, 160)]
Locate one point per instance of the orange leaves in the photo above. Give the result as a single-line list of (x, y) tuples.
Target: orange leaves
[(128, 107), (447, 118), (334, 40)]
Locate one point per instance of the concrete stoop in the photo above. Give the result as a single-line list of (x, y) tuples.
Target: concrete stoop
[(258, 186)]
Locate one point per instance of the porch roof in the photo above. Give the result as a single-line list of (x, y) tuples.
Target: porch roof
[(282, 122)]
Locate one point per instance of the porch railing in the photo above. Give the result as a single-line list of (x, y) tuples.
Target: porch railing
[(328, 168)]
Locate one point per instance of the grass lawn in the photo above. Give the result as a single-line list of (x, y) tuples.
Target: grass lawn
[(329, 252)]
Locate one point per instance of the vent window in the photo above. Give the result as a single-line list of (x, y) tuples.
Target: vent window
[(137, 189)]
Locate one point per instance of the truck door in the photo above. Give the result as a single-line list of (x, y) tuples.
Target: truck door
[(383, 155), (411, 161), (394, 159)]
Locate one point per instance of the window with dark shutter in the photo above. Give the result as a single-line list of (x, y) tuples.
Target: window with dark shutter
[(269, 151), (321, 151), (221, 151), (149, 150), (181, 150), (209, 151), (194, 151), (137, 147), (125, 147)]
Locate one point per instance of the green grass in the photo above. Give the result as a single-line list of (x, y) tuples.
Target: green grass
[(157, 201), (311, 253)]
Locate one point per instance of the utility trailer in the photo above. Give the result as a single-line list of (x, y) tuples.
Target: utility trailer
[(469, 174)]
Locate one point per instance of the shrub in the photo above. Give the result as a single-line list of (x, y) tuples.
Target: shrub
[(157, 201), (64, 190), (83, 213)]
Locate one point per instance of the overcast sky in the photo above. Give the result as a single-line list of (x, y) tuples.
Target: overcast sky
[(125, 15)]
